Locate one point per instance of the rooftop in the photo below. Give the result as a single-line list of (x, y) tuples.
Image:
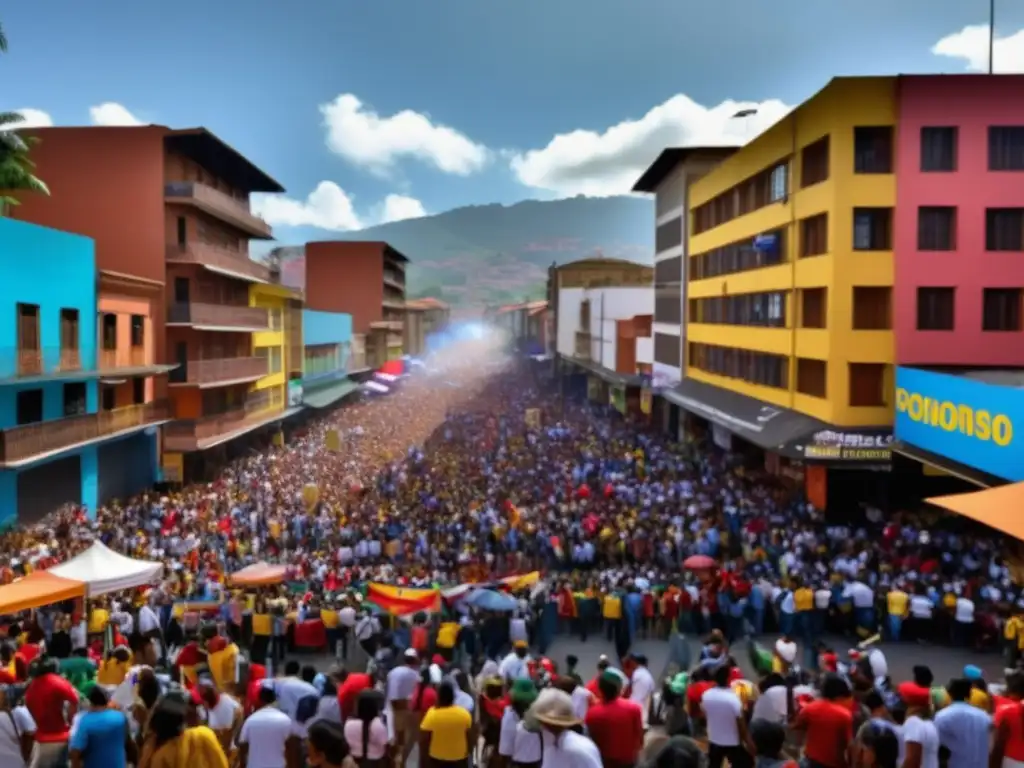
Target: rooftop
[(670, 158), (220, 159)]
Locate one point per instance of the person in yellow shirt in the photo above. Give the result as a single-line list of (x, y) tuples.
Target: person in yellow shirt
[(1013, 635), (446, 731), (897, 603), (611, 611)]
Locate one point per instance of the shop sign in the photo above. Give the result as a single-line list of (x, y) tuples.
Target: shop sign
[(842, 445), (965, 420)]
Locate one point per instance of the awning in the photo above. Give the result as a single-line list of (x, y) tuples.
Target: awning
[(947, 465), (259, 574), (36, 590), (328, 395), (763, 424), (997, 508), (612, 377)]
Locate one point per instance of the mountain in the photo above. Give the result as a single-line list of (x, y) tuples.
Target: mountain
[(497, 253)]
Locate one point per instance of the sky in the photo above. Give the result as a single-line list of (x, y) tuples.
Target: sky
[(370, 111)]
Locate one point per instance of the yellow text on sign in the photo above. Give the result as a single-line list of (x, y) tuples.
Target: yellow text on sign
[(956, 417)]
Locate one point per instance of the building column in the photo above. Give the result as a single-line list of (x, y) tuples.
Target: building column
[(89, 458), (8, 498)]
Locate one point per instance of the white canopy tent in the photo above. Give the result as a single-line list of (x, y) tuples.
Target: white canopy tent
[(102, 570)]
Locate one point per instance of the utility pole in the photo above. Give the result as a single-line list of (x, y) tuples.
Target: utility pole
[(991, 35)]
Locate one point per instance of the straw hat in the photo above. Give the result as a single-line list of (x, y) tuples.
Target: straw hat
[(554, 707)]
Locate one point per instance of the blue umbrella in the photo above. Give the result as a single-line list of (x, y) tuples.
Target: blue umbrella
[(489, 600)]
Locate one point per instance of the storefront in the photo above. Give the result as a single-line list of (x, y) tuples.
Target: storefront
[(962, 425)]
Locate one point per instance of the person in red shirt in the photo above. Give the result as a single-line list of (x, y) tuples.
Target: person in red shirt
[(1008, 723), (350, 685), (828, 723), (615, 725), (52, 701)]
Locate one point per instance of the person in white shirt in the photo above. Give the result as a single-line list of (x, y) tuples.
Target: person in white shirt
[(921, 740), (17, 733), (516, 664), (641, 686), (919, 623), (728, 738), (563, 748), (268, 735), (398, 690), (963, 621), (515, 742), (346, 626)]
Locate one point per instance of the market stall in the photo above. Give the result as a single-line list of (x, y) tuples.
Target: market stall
[(103, 570), (36, 590)]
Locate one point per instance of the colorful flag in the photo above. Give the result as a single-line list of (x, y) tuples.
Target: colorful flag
[(401, 601)]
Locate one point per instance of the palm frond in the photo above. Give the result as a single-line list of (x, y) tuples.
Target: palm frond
[(3, 40), (11, 118)]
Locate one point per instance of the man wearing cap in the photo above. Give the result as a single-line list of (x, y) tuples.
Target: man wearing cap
[(399, 689), (615, 724), (515, 742), (515, 665), (562, 746)]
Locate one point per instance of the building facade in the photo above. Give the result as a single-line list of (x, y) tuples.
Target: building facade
[(328, 358), (423, 319), (68, 434)]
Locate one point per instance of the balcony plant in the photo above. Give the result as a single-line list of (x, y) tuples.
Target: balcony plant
[(17, 171)]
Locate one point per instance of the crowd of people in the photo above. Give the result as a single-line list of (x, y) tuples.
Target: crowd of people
[(472, 470)]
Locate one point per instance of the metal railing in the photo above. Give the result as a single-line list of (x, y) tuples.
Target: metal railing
[(219, 204), (30, 440), (220, 315), (131, 357), (207, 255), (225, 369), (185, 434)]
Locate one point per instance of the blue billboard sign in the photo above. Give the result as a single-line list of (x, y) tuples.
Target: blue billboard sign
[(963, 419)]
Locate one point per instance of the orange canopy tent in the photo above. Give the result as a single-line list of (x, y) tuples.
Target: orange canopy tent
[(36, 590), (998, 508), (259, 575)]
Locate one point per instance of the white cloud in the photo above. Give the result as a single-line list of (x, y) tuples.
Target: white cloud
[(970, 46), (401, 207), (112, 113), (609, 163), (32, 118), (364, 138), (327, 207)]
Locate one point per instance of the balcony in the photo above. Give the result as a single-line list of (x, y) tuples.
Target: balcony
[(30, 362), (219, 260), (21, 444), (219, 372), (132, 357), (387, 325), (197, 434), (394, 279), (216, 203), (583, 344), (219, 317)]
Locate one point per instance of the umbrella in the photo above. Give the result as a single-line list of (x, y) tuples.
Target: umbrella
[(489, 600), (699, 562)]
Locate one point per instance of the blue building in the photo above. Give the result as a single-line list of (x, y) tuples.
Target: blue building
[(53, 431), (328, 357)]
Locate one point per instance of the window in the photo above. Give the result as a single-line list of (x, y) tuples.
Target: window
[(668, 271), (778, 183), (138, 390), (29, 406), (867, 385), (668, 304), (872, 149), (1001, 309), (585, 315), (814, 235), (872, 229), (1004, 229), (109, 330), (138, 330), (936, 309), (811, 377), (813, 307), (28, 327), (740, 256), (274, 316), (872, 308), (767, 310), (936, 228), (668, 349), (69, 329), (275, 359), (1006, 148), (754, 367), (938, 149), (74, 399), (668, 235), (182, 232), (108, 398), (814, 163)]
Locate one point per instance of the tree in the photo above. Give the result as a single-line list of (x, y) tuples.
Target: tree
[(17, 171)]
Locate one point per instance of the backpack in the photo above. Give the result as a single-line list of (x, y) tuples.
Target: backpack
[(307, 708)]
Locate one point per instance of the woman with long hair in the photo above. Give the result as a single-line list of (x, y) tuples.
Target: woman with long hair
[(366, 733), (169, 743)]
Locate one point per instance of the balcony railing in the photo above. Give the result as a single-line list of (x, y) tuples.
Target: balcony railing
[(583, 341), (207, 255), (387, 325), (19, 443), (132, 357), (187, 434), (220, 316), (394, 279), (216, 203), (31, 362), (200, 372)]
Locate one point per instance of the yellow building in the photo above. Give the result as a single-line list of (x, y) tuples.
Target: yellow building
[(790, 267), (276, 344)]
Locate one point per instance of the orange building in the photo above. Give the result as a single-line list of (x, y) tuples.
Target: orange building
[(169, 208)]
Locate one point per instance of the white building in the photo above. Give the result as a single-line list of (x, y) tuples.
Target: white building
[(587, 327), (669, 179)]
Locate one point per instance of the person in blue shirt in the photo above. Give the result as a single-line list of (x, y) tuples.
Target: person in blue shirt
[(101, 738)]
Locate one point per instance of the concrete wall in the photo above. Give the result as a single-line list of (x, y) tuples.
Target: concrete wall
[(618, 304)]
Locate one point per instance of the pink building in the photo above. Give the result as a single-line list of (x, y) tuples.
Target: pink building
[(959, 229)]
